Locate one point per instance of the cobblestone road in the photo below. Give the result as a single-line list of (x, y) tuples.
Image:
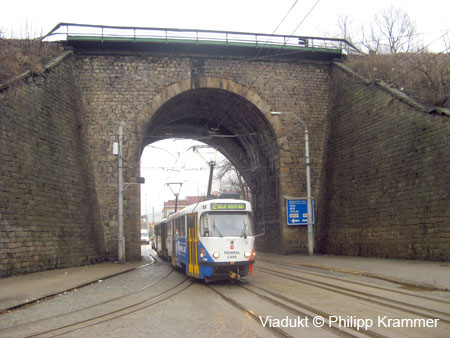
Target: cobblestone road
[(157, 301)]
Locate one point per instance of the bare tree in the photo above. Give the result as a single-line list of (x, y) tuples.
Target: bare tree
[(231, 180), (393, 31), (344, 23), (370, 39), (397, 57), (398, 29)]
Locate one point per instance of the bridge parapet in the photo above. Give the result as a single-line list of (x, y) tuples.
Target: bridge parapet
[(82, 32)]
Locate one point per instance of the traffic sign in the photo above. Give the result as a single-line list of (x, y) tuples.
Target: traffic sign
[(297, 211)]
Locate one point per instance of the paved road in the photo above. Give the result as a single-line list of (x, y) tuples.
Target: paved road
[(278, 300)]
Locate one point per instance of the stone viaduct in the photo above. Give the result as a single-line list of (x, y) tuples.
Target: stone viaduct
[(380, 161)]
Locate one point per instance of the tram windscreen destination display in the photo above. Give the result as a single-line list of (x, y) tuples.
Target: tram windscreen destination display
[(227, 206)]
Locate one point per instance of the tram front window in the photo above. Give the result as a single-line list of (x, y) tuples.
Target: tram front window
[(226, 225)]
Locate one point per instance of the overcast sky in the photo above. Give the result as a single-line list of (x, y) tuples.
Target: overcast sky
[(174, 161), (260, 16), (21, 18)]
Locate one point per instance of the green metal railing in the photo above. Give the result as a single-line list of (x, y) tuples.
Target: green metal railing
[(70, 31)]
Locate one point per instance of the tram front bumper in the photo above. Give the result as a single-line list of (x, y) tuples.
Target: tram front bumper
[(233, 270)]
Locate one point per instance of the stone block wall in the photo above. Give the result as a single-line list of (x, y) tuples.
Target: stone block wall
[(49, 216), (386, 177), (128, 88), (380, 174)]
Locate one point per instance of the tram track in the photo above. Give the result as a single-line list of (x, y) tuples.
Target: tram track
[(113, 315), (301, 268), (275, 291), (100, 303), (27, 329), (308, 311), (385, 301), (291, 306), (250, 313)]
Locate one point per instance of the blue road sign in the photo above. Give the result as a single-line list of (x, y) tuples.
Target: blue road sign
[(297, 211)]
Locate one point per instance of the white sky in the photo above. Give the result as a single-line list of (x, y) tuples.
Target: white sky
[(174, 161), (260, 16), (36, 17)]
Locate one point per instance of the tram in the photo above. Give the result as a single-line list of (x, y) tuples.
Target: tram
[(210, 240)]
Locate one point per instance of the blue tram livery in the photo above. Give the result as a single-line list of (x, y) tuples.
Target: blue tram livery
[(210, 240)]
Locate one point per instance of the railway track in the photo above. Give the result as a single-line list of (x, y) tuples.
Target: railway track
[(248, 312), (275, 293), (407, 302), (274, 303), (156, 261), (293, 306), (307, 270), (306, 315), (395, 303), (69, 322)]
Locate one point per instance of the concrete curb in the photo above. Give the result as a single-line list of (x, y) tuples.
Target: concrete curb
[(72, 288), (401, 282)]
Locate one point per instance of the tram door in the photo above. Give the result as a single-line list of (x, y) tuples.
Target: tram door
[(163, 239), (174, 239), (192, 244)]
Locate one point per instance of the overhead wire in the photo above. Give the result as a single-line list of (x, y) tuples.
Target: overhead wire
[(114, 80), (273, 33), (265, 66), (409, 36), (421, 64), (257, 55), (306, 16), (434, 55)]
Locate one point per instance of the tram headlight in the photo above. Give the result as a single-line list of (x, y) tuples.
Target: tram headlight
[(216, 254), (247, 254)]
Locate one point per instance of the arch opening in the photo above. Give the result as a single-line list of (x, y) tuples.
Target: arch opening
[(238, 129), (183, 167)]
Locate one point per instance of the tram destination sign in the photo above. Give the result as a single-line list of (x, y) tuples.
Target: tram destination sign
[(227, 206), (297, 211)]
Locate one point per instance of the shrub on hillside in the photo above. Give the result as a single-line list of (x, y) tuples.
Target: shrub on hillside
[(18, 56), (422, 76)]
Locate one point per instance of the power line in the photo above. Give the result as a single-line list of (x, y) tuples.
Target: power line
[(421, 64), (265, 67), (289, 11), (306, 16), (257, 54), (422, 49)]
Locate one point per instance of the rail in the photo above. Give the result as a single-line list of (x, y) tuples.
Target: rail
[(71, 31)]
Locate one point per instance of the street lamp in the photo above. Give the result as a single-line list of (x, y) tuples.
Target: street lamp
[(308, 182), (117, 150)]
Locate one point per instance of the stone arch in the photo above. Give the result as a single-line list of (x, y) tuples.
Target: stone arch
[(187, 85), (182, 110)]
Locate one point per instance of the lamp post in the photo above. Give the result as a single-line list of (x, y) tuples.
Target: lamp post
[(117, 150), (308, 182), (120, 236)]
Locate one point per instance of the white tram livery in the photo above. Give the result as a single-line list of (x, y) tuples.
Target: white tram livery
[(213, 239)]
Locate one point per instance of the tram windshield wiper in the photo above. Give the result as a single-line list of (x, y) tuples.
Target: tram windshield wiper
[(244, 230), (216, 229)]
